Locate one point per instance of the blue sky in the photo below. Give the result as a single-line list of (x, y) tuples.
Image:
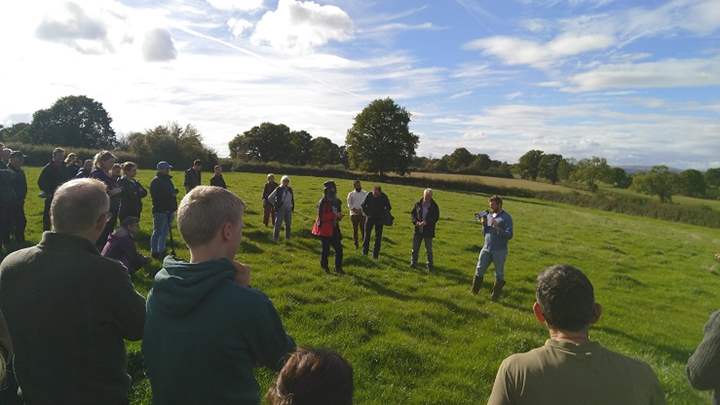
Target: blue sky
[(637, 82)]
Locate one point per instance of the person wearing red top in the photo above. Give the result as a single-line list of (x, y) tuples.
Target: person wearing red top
[(327, 227)]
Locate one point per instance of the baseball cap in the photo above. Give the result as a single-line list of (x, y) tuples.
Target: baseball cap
[(162, 165), (329, 185)]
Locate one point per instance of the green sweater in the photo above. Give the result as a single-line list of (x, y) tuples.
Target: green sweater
[(204, 334), (703, 368)]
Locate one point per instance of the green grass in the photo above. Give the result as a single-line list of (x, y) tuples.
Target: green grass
[(418, 338)]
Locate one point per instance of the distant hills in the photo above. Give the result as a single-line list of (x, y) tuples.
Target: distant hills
[(632, 169)]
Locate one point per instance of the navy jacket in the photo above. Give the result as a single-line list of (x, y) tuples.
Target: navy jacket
[(163, 194)]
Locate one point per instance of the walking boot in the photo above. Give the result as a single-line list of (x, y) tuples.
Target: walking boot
[(477, 284), (497, 290), (339, 270)]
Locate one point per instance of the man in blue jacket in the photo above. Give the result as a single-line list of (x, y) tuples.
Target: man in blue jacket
[(206, 328), (164, 201), (498, 230)]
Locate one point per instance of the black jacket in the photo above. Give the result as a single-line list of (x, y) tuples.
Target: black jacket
[(131, 197), (431, 219), (163, 194), (192, 179), (69, 311), (19, 184), (218, 181), (51, 177), (376, 207)]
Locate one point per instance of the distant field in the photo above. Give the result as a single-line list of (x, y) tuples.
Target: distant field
[(418, 338)]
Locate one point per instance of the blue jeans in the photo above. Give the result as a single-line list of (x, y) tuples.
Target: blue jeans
[(497, 257), (162, 221), (283, 215)]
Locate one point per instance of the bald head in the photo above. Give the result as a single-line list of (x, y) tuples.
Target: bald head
[(79, 207)]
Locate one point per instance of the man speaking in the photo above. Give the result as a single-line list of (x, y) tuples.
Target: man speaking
[(498, 230)]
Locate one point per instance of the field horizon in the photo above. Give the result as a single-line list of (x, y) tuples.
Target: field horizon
[(421, 338)]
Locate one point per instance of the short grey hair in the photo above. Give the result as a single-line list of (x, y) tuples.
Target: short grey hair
[(204, 210), (77, 205), (284, 178)]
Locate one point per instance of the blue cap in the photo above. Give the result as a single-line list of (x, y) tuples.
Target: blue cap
[(162, 165)]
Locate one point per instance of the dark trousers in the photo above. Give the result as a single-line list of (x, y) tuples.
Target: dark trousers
[(417, 239), (336, 242), (109, 227), (371, 223), (269, 214), (46, 214), (17, 221), (358, 221), (4, 224)]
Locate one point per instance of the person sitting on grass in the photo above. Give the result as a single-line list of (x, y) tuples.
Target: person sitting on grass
[(206, 328), (313, 377), (121, 245), (217, 179), (570, 368)]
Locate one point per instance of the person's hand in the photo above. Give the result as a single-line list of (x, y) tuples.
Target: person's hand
[(242, 274), (483, 220), (421, 224)]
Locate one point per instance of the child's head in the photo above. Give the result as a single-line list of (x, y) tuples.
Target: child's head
[(129, 169), (116, 170), (217, 169), (211, 216), (313, 377)]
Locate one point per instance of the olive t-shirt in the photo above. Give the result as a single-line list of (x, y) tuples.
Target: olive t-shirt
[(566, 373)]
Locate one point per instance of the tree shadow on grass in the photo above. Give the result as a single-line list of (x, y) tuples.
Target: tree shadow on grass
[(679, 355)]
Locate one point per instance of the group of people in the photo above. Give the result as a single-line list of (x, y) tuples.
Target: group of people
[(66, 310)]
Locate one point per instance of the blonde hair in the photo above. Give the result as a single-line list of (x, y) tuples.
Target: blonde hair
[(70, 157), (204, 210), (77, 205), (102, 156)]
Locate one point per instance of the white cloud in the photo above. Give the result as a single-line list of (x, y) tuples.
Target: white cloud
[(300, 26), (517, 51), (73, 27), (238, 26), (427, 26), (460, 95), (239, 5), (661, 74), (535, 25), (158, 46)]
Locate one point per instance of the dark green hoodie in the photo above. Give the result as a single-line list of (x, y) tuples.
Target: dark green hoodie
[(204, 334)]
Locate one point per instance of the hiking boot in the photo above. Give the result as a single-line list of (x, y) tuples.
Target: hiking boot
[(497, 290), (339, 271), (477, 284), (413, 265), (326, 269)]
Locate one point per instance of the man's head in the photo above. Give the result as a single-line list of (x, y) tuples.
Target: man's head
[(116, 170), (495, 202), (217, 169), (17, 159), (163, 167), (58, 155), (211, 216), (285, 181), (5, 154), (197, 165), (80, 207), (565, 299), (313, 377), (104, 160), (129, 169), (376, 191), (88, 165), (71, 159), (427, 194), (357, 185), (270, 177)]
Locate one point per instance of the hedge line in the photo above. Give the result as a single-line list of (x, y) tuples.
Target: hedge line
[(39, 155), (607, 201)]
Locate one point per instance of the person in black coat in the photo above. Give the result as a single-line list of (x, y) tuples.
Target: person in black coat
[(17, 207), (217, 179), (425, 215), (103, 162), (376, 208), (192, 176), (132, 193), (51, 177)]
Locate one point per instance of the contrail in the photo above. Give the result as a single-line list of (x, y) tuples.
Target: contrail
[(268, 61)]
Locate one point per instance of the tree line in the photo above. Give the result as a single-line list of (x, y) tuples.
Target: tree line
[(658, 181)]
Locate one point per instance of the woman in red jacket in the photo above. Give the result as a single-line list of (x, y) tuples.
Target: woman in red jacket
[(327, 227)]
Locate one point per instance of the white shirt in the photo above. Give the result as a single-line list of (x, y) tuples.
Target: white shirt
[(355, 200)]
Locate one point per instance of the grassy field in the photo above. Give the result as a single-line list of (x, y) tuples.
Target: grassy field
[(418, 338)]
